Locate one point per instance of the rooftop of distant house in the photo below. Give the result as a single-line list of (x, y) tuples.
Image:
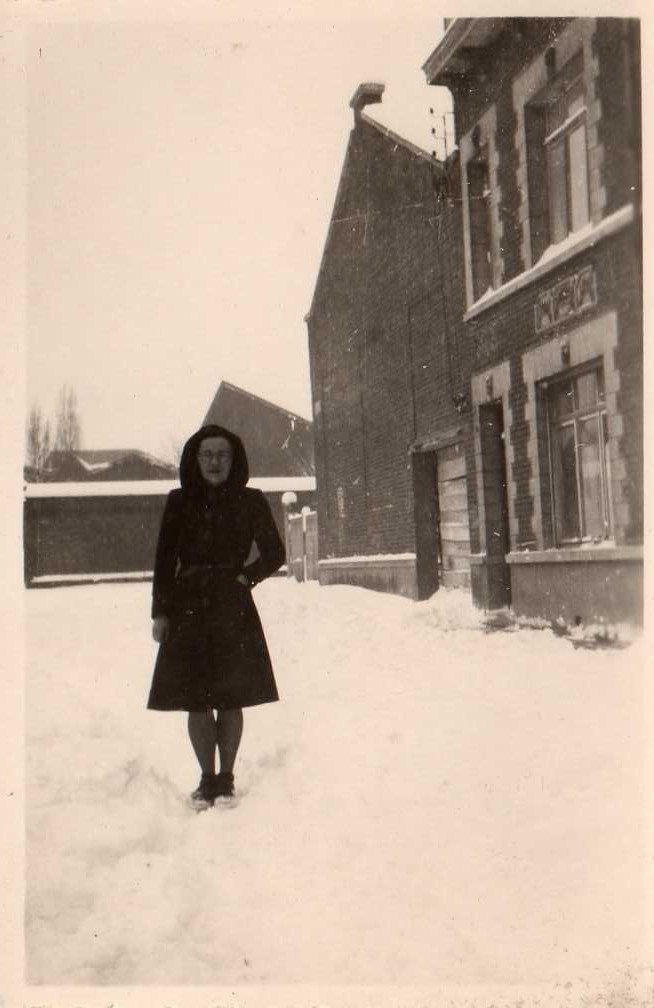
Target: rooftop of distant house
[(106, 463), (278, 441), (228, 387)]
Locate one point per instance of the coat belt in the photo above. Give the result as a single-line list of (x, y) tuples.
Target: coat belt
[(207, 568)]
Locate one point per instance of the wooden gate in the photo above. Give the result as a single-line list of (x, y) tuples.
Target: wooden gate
[(302, 545)]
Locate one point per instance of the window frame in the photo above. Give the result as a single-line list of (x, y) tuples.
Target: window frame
[(478, 169), (560, 137), (577, 417), (479, 175), (543, 139)]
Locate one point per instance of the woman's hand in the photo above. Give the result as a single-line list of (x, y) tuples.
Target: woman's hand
[(160, 628)]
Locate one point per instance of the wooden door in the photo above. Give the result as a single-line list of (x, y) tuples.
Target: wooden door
[(496, 507), (453, 517)]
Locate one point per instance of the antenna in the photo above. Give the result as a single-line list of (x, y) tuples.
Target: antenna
[(441, 134)]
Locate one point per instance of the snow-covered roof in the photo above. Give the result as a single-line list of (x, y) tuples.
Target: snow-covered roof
[(94, 466), (95, 456), (156, 488)]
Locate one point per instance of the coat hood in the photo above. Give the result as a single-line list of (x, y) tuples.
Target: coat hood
[(189, 471)]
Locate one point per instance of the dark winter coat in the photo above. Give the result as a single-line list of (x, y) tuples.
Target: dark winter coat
[(215, 654)]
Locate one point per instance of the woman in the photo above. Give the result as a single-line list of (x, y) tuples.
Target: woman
[(213, 655)]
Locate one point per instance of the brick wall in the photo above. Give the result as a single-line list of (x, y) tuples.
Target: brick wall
[(90, 535), (490, 80), (385, 341), (617, 49)]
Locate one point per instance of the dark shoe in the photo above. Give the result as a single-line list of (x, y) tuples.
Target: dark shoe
[(205, 791), (223, 785)]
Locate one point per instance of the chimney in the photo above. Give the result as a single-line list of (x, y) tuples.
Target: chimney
[(366, 94)]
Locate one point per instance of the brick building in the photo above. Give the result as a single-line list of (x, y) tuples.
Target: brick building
[(547, 116), (388, 369)]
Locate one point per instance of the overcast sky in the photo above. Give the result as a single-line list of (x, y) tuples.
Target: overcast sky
[(181, 176)]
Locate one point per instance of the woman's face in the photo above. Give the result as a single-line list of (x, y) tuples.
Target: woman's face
[(215, 459)]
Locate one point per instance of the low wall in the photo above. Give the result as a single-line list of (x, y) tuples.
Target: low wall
[(579, 586), (395, 574), (90, 535), (107, 528)]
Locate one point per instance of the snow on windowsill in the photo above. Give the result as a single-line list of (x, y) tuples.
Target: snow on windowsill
[(565, 126), (554, 256), (583, 553)]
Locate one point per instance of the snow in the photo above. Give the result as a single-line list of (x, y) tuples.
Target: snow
[(102, 488), (368, 558), (578, 114), (55, 579), (555, 255), (431, 806), (150, 488), (275, 484), (94, 466)]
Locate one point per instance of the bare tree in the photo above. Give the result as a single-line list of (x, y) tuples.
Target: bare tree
[(69, 432), (38, 441)]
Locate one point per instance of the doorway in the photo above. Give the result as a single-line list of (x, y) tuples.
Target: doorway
[(441, 519), (496, 503)]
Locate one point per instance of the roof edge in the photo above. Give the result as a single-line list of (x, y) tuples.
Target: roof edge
[(400, 140), (460, 33), (265, 402), (392, 137)]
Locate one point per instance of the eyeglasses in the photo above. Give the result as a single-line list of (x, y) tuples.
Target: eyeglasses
[(220, 456)]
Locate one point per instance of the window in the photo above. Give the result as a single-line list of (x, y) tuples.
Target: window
[(579, 462), (567, 162), (557, 158), (480, 223)]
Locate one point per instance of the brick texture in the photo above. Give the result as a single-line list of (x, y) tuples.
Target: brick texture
[(385, 337)]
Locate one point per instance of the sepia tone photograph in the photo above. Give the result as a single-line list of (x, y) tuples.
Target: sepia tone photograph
[(331, 511)]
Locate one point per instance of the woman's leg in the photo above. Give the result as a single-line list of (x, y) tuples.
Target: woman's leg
[(228, 732), (202, 733)]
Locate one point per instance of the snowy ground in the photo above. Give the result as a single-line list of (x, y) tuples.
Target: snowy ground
[(430, 804)]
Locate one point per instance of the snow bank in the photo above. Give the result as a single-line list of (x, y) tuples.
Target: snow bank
[(430, 804)]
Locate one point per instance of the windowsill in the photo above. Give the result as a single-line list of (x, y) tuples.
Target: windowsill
[(483, 560), (555, 256), (586, 553)]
